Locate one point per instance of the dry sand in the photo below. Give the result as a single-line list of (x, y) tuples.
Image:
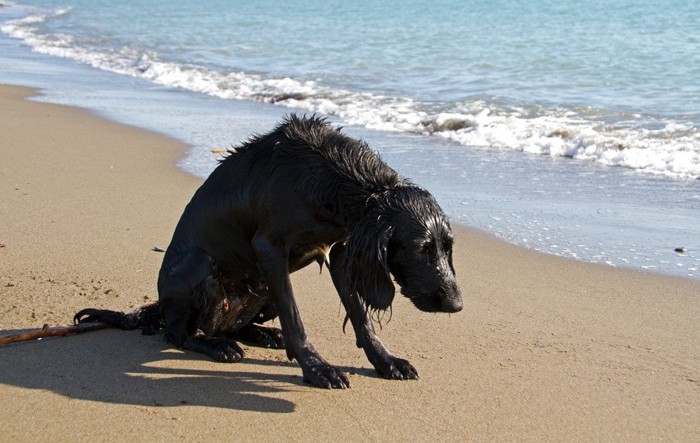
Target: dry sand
[(546, 348)]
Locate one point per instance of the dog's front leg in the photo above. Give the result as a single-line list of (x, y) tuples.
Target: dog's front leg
[(273, 263), (387, 365)]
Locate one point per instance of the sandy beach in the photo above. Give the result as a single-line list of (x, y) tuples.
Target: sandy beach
[(545, 349)]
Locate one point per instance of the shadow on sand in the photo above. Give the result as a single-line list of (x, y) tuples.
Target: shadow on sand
[(125, 367)]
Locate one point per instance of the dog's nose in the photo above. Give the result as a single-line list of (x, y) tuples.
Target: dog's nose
[(451, 305)]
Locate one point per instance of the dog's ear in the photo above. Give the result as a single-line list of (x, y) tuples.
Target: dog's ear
[(368, 263)]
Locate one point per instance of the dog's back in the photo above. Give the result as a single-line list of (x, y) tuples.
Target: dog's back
[(303, 162)]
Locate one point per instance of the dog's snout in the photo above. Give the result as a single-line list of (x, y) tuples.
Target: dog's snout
[(451, 299), (451, 305)]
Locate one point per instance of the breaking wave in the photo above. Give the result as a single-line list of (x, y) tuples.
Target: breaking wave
[(647, 144)]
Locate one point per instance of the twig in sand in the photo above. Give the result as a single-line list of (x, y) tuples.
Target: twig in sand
[(47, 331)]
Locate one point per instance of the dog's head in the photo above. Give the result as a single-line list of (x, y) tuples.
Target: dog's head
[(407, 235)]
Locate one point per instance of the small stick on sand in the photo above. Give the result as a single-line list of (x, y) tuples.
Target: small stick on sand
[(47, 331)]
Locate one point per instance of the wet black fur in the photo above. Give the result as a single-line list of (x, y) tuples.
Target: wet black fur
[(303, 193)]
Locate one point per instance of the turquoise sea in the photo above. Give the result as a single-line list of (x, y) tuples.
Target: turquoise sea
[(568, 127)]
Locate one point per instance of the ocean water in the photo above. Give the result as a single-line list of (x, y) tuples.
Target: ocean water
[(569, 127)]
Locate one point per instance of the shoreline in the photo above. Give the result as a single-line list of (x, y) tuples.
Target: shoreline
[(546, 348), (571, 208)]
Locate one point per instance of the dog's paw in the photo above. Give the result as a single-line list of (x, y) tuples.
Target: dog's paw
[(219, 349), (262, 336), (396, 368), (323, 375), (228, 352), (271, 338)]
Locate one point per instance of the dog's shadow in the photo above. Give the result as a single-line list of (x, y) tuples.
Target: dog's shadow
[(117, 367)]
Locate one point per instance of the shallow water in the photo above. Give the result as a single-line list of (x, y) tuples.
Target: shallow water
[(615, 84)]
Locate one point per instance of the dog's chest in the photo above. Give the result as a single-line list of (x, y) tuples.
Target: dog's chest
[(239, 310), (315, 245)]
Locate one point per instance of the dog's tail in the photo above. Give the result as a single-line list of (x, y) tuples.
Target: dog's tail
[(147, 317)]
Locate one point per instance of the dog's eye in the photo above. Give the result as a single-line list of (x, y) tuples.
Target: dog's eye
[(447, 244), (424, 248)]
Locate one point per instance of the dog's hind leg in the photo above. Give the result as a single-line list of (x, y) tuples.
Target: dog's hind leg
[(387, 365), (183, 290)]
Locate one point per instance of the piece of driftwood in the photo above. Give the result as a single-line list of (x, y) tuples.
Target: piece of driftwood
[(56, 331)]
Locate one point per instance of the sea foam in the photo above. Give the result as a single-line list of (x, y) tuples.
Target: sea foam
[(646, 144)]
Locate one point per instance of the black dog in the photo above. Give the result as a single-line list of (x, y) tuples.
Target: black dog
[(302, 193)]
